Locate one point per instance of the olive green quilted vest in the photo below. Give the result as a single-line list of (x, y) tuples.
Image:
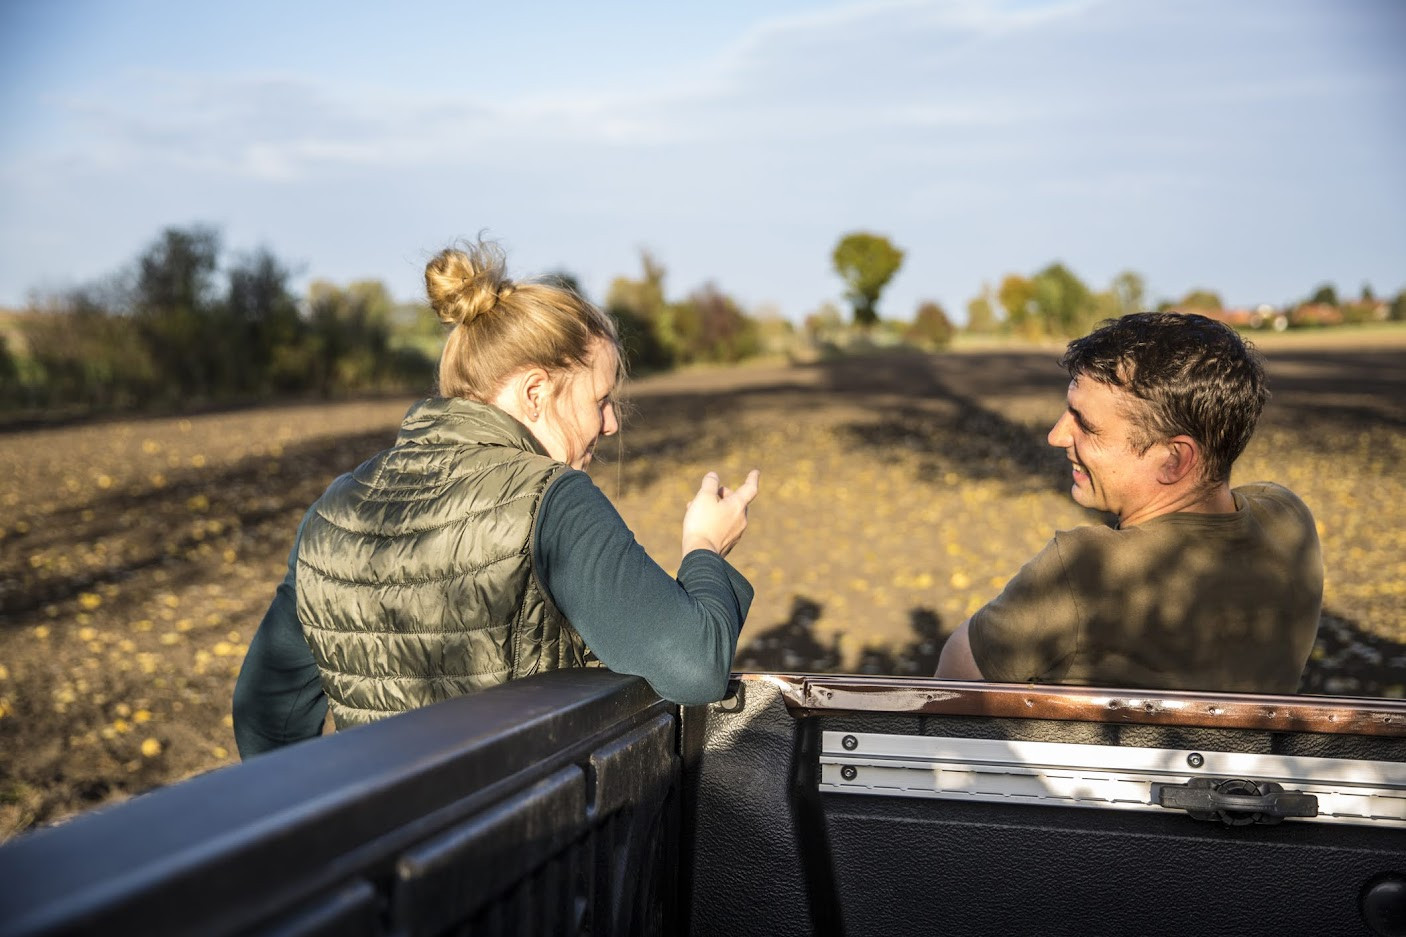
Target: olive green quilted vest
[(415, 575)]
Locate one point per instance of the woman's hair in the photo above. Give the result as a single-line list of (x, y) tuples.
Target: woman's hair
[(500, 327)]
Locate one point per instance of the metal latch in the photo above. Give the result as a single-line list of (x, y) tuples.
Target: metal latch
[(1235, 801)]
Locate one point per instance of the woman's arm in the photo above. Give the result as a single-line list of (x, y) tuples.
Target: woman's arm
[(679, 634), (278, 697)]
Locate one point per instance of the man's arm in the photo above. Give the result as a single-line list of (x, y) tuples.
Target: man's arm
[(1022, 634), (956, 661)]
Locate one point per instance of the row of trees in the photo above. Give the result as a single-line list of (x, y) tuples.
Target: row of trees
[(1055, 303), (182, 326), (1052, 302), (707, 325), (179, 328)]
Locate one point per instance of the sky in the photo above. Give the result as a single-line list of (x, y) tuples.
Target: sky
[(1255, 148)]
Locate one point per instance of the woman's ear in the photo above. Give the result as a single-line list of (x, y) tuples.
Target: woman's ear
[(1183, 456), (533, 391), (524, 395)]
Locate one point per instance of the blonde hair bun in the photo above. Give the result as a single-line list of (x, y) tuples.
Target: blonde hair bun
[(463, 283), (501, 327)]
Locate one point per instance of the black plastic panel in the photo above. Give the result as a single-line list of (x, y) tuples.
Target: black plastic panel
[(493, 810), (450, 878), (772, 857), (350, 911)]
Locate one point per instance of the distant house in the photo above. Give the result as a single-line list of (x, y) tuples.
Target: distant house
[(1315, 314), (1263, 316)]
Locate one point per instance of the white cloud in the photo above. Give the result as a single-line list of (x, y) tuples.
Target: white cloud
[(785, 82), (1026, 126)]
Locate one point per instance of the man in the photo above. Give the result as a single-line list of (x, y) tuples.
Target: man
[(1198, 586)]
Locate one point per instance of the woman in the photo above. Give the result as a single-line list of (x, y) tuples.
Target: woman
[(476, 551)]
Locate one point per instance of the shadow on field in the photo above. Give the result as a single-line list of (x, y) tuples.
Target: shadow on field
[(1337, 388), (929, 404), (938, 414), (253, 504), (1350, 661), (1346, 661), (793, 646)]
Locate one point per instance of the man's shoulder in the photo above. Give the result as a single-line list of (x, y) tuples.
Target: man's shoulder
[(1260, 497), (1267, 491), (1085, 536)]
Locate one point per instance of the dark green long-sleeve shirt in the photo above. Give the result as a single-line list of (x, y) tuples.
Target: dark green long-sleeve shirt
[(679, 634)]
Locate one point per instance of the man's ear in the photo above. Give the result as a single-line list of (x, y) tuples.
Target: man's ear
[(1183, 457)]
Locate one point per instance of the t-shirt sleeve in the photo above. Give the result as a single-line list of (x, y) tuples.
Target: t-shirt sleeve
[(1029, 631), (278, 697), (680, 633)]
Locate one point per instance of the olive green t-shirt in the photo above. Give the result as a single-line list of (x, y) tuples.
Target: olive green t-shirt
[(1225, 602)]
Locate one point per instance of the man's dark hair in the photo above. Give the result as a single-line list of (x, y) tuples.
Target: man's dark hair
[(1197, 377)]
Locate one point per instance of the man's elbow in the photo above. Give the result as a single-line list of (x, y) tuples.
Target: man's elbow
[(956, 661)]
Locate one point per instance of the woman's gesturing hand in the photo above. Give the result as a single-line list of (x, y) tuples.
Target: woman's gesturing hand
[(717, 516)]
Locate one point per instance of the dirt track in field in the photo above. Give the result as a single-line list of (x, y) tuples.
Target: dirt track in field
[(900, 491)]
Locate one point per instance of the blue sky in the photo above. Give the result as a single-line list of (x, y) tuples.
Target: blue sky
[(1257, 148)]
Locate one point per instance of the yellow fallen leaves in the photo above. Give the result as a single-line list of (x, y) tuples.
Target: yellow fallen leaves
[(873, 530)]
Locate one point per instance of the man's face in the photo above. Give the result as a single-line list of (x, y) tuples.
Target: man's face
[(1096, 433)]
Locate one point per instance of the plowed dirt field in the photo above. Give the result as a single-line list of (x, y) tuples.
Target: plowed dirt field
[(899, 492)]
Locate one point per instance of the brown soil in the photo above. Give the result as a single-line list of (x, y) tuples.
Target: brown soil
[(899, 492)]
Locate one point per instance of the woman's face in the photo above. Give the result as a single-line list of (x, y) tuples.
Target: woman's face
[(581, 409)]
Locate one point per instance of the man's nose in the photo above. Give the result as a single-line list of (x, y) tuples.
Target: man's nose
[(1059, 435)]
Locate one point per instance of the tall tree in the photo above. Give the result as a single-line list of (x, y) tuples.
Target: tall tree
[(866, 262), (175, 307), (642, 316), (1325, 294), (1130, 290), (710, 327), (564, 280), (981, 318), (1201, 300), (1063, 302), (931, 325), (263, 319), (1017, 297), (824, 324), (350, 334)]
